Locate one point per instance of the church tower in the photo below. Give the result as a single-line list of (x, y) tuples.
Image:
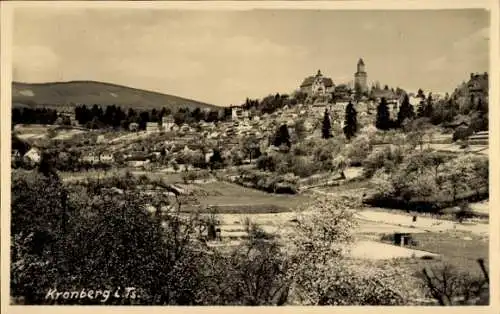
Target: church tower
[(360, 77)]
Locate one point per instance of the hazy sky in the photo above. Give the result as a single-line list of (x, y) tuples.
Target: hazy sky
[(222, 57)]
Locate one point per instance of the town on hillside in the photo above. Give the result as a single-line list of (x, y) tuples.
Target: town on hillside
[(339, 192)]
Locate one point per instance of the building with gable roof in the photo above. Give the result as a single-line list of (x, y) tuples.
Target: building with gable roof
[(317, 85)]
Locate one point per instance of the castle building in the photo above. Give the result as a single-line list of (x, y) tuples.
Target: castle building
[(317, 85), (360, 77)]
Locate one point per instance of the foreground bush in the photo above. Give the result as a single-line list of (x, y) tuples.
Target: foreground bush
[(108, 241), (322, 238)]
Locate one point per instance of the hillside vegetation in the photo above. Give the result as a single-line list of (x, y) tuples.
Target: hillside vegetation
[(66, 95)]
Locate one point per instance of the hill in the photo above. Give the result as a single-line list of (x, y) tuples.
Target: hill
[(66, 95)]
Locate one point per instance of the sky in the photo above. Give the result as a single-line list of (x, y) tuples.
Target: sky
[(222, 57)]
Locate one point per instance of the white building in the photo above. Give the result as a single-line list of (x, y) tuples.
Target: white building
[(167, 123), (33, 156), (152, 127), (106, 158), (238, 113)]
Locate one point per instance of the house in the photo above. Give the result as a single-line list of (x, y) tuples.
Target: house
[(185, 128), (137, 156), (106, 158), (317, 85), (100, 139), (33, 156), (91, 158), (167, 123), (133, 127), (342, 92), (137, 163), (152, 127), (209, 155), (238, 113)]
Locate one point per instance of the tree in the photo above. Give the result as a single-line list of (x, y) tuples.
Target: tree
[(251, 148), (449, 286), (300, 130), (351, 123), (46, 166), (421, 109), (405, 111), (428, 108), (383, 120), (282, 136), (322, 237), (416, 131), (479, 121), (326, 127), (358, 149), (216, 161), (420, 94), (156, 252), (255, 272)]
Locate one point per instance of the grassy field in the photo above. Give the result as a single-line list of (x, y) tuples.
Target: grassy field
[(460, 249), (228, 195), (91, 174), (349, 186), (453, 250)]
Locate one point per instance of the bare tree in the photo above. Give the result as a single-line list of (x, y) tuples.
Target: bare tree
[(450, 287)]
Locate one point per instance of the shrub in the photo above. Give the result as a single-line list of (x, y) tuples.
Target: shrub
[(462, 133), (359, 149), (253, 273), (266, 162), (387, 158), (99, 240)]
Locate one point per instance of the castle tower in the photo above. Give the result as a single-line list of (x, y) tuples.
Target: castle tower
[(360, 77)]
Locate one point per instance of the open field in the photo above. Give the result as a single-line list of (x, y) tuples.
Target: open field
[(226, 194), (425, 223), (378, 251)]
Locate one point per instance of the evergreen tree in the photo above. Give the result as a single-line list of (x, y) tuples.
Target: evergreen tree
[(428, 107), (482, 122), (383, 120), (326, 128), (405, 111), (282, 136), (216, 161), (351, 121), (47, 167), (420, 93), (421, 109), (143, 120)]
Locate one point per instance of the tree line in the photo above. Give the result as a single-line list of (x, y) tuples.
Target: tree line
[(114, 116), (437, 112), (33, 116), (96, 116)]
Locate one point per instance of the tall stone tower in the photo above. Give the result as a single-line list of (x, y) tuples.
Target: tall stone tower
[(360, 77)]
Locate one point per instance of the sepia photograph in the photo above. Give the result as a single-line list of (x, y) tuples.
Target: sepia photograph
[(247, 156)]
